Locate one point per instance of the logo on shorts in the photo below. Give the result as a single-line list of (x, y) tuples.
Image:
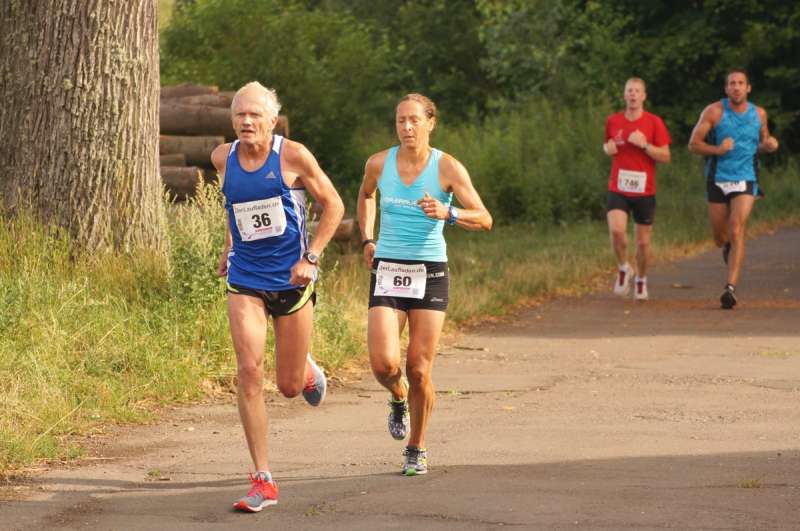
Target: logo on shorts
[(436, 299)]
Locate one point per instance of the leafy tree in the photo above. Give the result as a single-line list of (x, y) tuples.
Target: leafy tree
[(329, 72)]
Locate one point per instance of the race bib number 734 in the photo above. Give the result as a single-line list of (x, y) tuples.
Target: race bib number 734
[(400, 280)]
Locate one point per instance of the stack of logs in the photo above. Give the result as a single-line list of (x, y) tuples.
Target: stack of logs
[(194, 120)]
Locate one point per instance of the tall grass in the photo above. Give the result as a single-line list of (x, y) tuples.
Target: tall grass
[(90, 340)]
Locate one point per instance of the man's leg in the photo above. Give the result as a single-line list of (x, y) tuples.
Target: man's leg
[(718, 217), (740, 209), (292, 343), (248, 323), (425, 328), (384, 326), (644, 234), (618, 233)]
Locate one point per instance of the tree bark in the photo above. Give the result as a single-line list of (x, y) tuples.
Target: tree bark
[(80, 143)]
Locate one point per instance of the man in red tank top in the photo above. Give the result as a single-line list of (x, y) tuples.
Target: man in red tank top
[(635, 140)]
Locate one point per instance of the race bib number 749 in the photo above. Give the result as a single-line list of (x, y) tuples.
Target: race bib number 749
[(400, 280), (260, 219)]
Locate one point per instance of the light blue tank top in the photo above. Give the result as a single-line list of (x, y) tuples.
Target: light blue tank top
[(267, 222), (406, 233), (740, 163)]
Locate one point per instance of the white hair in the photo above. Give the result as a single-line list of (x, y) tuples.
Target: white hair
[(271, 103)]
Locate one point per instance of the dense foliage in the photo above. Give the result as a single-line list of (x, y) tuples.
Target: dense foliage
[(496, 69)]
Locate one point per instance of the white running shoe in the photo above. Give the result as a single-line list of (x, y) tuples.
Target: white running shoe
[(640, 289), (622, 283)]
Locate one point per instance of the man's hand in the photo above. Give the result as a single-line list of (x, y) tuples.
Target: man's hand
[(222, 265), (610, 147), (726, 145), (638, 139), (770, 144), (433, 208), (302, 273)]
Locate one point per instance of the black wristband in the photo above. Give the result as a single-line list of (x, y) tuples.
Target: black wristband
[(365, 242)]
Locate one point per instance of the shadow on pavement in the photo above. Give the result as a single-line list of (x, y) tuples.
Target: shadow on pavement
[(722, 491)]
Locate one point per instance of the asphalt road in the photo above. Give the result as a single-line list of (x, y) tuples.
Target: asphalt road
[(582, 413)]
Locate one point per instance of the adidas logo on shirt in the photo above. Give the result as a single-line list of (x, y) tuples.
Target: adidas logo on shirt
[(270, 175)]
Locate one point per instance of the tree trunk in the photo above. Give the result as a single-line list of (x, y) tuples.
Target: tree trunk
[(80, 85)]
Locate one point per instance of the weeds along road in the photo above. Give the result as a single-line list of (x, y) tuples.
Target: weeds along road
[(588, 413)]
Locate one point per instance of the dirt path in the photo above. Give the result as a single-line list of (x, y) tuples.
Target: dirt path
[(590, 413)]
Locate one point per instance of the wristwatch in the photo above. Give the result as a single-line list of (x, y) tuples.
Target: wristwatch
[(452, 215), (311, 258)]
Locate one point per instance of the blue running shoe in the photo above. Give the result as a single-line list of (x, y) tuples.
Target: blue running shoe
[(316, 384)]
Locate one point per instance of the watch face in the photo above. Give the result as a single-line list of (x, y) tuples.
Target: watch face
[(311, 257)]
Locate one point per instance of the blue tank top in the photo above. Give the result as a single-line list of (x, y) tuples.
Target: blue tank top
[(740, 163), (267, 220), (406, 233)]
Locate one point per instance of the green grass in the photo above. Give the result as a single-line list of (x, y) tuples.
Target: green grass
[(90, 340)]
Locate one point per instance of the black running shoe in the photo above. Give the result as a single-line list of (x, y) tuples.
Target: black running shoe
[(726, 250), (728, 299)]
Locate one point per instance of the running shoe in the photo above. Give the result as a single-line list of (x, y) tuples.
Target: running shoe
[(262, 494), (728, 298), (416, 462), (316, 384), (398, 414), (398, 419), (726, 250), (640, 290), (622, 282)]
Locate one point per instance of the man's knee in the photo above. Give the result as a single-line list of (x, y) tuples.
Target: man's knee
[(383, 369), (618, 236), (289, 388), (251, 377), (736, 230)]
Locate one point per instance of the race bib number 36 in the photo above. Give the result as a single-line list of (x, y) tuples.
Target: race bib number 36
[(631, 181), (729, 187), (260, 219), (400, 280)]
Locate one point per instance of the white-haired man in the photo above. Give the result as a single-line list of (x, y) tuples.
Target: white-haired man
[(270, 265)]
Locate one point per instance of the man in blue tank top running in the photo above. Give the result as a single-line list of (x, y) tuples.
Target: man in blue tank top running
[(730, 133), (270, 266), (409, 280)]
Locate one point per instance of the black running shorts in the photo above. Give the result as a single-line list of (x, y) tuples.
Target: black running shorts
[(643, 207), (279, 303), (715, 194), (437, 286)]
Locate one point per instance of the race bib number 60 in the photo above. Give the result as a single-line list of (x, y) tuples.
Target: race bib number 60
[(260, 219), (631, 181), (400, 280)]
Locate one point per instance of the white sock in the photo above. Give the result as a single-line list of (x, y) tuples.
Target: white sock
[(641, 279), (265, 475)]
